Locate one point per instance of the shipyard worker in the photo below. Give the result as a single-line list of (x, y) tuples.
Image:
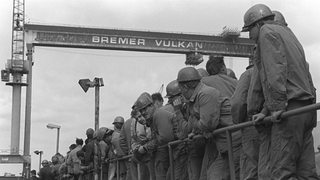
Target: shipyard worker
[(250, 140), (286, 85), (140, 135), (180, 151), (115, 151), (147, 108), (210, 110), (45, 172), (125, 144), (73, 162), (218, 78), (33, 175)]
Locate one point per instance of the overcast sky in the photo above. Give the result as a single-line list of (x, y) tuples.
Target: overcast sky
[(57, 98)]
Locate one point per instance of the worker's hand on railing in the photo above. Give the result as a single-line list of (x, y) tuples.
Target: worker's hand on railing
[(275, 116), (258, 118), (191, 135)]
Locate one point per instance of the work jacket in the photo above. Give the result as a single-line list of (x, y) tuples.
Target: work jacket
[(282, 67), (210, 110), (125, 136), (163, 121), (239, 98)]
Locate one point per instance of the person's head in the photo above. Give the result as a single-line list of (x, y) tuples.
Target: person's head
[(215, 65), (157, 99), (279, 18), (79, 142), (254, 19), (45, 163), (33, 173), (89, 133), (54, 160), (188, 79), (173, 91), (145, 105), (203, 72), (72, 146), (231, 73), (138, 116), (118, 122)]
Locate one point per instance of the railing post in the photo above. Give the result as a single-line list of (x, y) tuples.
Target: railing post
[(171, 161), (230, 155)]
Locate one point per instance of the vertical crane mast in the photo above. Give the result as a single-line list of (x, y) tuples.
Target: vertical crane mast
[(15, 67)]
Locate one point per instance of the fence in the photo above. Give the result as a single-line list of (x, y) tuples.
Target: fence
[(228, 130)]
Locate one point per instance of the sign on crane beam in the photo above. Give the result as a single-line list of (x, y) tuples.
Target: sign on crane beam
[(129, 40)]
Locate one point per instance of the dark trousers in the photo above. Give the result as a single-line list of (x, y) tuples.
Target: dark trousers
[(292, 151)]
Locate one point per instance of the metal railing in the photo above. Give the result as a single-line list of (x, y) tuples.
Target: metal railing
[(228, 130)]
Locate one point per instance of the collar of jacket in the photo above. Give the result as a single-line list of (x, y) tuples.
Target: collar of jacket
[(196, 91)]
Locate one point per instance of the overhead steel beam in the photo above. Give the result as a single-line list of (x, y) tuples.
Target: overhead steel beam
[(129, 40)]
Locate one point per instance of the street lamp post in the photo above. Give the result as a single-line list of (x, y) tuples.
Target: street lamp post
[(37, 152), (53, 126), (97, 83)]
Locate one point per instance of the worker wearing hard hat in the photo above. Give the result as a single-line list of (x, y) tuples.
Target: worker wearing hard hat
[(218, 78), (209, 110), (45, 172), (147, 108), (140, 135), (250, 141), (180, 151), (286, 85), (125, 144), (115, 150)]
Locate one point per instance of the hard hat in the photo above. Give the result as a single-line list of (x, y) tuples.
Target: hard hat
[(188, 74), (101, 132), (173, 89), (118, 119), (203, 72), (89, 132), (231, 73), (278, 17), (254, 14), (45, 162), (143, 101)]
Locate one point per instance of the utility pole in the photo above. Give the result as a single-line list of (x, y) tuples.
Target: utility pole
[(97, 83)]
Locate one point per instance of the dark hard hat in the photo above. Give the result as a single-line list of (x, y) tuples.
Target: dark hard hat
[(188, 74), (118, 119), (203, 72), (89, 132), (45, 162), (173, 89), (279, 18), (254, 14), (231, 73), (143, 101)]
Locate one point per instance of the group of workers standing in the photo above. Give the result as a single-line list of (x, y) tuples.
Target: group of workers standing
[(201, 101)]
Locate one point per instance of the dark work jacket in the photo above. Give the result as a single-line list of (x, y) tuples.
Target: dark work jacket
[(163, 121), (282, 67), (45, 173), (125, 136), (210, 110), (239, 98), (223, 83)]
